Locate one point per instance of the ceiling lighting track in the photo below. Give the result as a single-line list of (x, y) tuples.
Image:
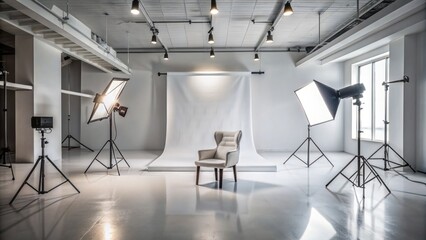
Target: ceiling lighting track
[(51, 24), (271, 28), (151, 24)]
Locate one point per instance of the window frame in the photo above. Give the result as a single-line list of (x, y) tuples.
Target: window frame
[(356, 76)]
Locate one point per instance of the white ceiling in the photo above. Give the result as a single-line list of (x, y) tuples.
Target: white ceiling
[(232, 26)]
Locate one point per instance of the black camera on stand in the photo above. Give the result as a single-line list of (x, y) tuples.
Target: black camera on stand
[(42, 122)]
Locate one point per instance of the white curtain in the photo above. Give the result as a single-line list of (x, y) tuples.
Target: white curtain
[(198, 104)]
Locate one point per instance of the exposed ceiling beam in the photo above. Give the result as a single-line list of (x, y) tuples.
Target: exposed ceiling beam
[(18, 16)]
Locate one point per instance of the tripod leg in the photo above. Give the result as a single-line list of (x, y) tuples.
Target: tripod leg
[(82, 144), (63, 175), (116, 163), (64, 139), (26, 179), (41, 177), (386, 158), (319, 149), (375, 173), (401, 158), (96, 156), (11, 168), (340, 172), (7, 162), (296, 151), (121, 153)]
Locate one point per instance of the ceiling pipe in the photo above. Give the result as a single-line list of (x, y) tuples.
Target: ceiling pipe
[(150, 23), (254, 21), (256, 72), (171, 22), (204, 50)]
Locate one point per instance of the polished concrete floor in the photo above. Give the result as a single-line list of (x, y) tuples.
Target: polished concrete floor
[(292, 203)]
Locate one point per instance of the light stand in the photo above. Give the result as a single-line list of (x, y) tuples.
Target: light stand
[(385, 146), (5, 158), (41, 160), (69, 136), (308, 140), (359, 179), (112, 148)]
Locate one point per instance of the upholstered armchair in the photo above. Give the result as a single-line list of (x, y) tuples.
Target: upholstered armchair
[(225, 155)]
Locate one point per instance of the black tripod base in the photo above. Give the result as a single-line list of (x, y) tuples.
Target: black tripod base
[(69, 138), (387, 163), (6, 161), (308, 163), (113, 148), (41, 185), (359, 178)]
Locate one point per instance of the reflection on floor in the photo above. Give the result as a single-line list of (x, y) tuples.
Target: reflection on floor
[(290, 204)]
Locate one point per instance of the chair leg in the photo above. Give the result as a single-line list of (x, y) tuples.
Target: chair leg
[(220, 177), (198, 175), (215, 174), (235, 173)]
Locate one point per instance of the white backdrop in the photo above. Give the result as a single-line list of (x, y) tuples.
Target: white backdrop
[(198, 104)]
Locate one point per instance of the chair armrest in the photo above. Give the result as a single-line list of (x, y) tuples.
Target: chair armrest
[(206, 154), (232, 158)]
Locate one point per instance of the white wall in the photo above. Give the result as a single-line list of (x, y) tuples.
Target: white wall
[(278, 119), (421, 103)]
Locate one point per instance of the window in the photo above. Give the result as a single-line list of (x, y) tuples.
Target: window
[(372, 74)]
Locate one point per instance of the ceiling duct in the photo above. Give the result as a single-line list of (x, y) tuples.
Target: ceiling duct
[(366, 12)]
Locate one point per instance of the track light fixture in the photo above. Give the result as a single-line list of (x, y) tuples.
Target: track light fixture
[(212, 52), (154, 35), (288, 10), (213, 8), (166, 55), (211, 40), (154, 39), (269, 38), (135, 7), (256, 57)]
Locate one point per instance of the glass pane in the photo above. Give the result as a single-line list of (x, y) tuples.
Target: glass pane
[(379, 99), (365, 77)]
